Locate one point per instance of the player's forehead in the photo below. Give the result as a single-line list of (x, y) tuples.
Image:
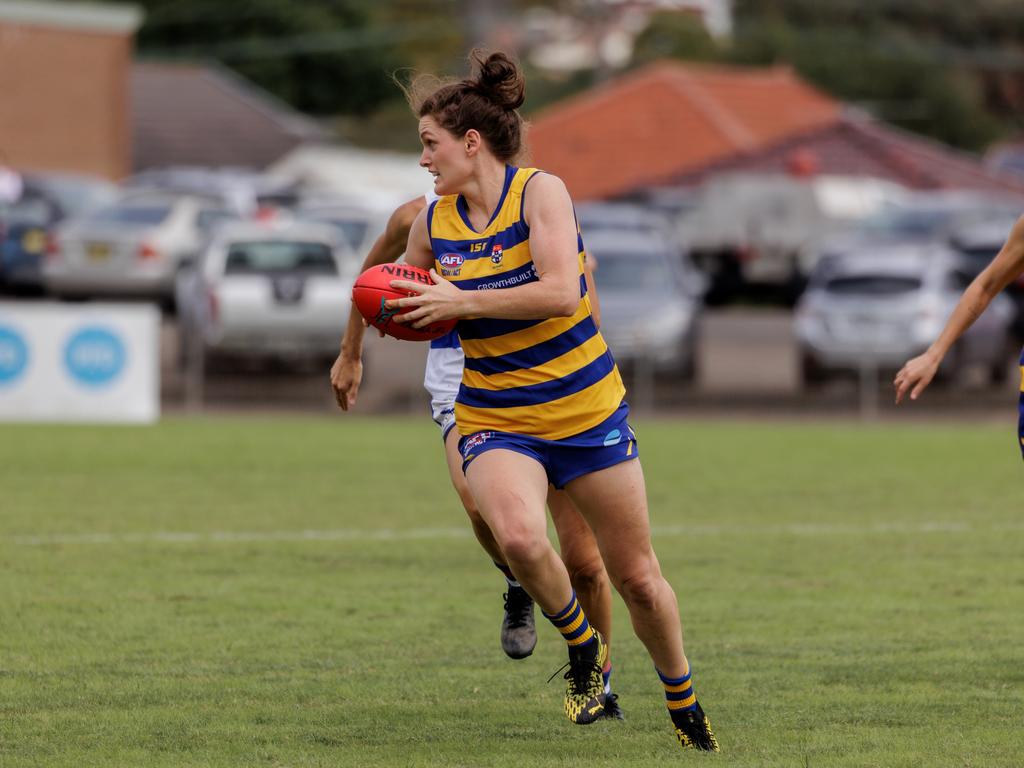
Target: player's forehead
[(429, 127)]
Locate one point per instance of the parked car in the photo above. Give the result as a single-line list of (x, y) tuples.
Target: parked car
[(885, 305), (750, 229), (649, 314), (26, 223), (633, 217), (277, 289), (134, 247), (358, 226), (242, 190), (919, 217)]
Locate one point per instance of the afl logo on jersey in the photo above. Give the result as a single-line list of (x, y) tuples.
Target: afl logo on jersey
[(451, 264), (496, 254)]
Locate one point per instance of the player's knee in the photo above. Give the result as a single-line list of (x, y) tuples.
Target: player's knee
[(587, 575), (523, 548), (641, 590)]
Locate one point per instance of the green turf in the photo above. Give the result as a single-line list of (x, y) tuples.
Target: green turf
[(852, 597)]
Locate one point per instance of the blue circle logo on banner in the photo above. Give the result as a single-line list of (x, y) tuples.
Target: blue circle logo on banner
[(13, 355), (94, 356)]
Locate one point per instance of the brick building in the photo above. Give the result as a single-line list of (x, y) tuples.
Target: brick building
[(64, 86)]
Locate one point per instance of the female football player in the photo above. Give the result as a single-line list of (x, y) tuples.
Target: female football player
[(443, 373), (1006, 267), (541, 400)]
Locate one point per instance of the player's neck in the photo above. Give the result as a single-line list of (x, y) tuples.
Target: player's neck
[(483, 193)]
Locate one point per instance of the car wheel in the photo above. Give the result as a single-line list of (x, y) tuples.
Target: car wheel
[(812, 373)]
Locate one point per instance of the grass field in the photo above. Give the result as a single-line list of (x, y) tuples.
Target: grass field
[(300, 592)]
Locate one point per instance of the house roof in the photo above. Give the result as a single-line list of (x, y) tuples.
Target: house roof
[(857, 145), (203, 114), (667, 119)]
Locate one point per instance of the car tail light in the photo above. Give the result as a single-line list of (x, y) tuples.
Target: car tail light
[(212, 305), (147, 252), (52, 245)]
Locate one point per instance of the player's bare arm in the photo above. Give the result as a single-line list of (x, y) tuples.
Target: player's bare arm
[(347, 371), (1008, 264), (553, 246)]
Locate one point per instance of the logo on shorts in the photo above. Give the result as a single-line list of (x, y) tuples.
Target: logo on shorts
[(475, 441), (613, 438), (451, 264), (496, 254)]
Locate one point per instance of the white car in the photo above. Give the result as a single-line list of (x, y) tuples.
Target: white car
[(276, 289), (134, 247), (886, 304)]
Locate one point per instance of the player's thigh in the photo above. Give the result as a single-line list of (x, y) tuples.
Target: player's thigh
[(458, 477), (576, 540), (614, 503), (510, 490)]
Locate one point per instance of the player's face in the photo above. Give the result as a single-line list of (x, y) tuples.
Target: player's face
[(444, 155)]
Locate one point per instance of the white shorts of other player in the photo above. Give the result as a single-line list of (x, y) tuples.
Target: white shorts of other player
[(442, 378)]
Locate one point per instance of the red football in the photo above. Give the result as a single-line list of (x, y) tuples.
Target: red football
[(373, 288)]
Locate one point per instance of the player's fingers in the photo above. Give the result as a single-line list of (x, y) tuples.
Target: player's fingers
[(406, 285), (918, 389), (436, 277)]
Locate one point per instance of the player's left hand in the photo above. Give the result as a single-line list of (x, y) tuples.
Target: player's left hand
[(432, 303)]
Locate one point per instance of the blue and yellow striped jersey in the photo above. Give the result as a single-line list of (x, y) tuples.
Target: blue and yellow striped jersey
[(549, 378)]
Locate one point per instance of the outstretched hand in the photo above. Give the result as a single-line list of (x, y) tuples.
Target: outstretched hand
[(430, 304), (346, 376), (915, 375)]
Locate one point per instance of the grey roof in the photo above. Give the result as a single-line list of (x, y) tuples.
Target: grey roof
[(204, 114)]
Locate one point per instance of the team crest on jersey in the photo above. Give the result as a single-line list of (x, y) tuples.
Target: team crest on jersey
[(496, 255), (451, 264)]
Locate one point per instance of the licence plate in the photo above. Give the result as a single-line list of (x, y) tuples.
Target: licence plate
[(97, 251)]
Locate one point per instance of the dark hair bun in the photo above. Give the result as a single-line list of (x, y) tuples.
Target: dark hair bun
[(499, 80)]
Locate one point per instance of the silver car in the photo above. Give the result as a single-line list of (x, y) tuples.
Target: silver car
[(269, 289), (883, 306), (134, 247), (649, 312)]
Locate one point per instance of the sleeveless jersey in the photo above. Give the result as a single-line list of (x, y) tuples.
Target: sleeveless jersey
[(550, 378)]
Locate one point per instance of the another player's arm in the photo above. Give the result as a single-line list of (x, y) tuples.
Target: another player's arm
[(555, 293), (1004, 269), (347, 371)]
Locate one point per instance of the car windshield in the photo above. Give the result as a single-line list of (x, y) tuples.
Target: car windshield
[(352, 229), (144, 215), (633, 272), (79, 195), (275, 256), (914, 222), (872, 285), (29, 211)]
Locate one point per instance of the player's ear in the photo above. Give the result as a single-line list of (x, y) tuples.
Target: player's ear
[(472, 142)]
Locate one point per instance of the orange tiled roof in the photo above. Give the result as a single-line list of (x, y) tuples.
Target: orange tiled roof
[(668, 118)]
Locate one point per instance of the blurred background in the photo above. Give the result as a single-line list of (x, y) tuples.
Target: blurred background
[(784, 198)]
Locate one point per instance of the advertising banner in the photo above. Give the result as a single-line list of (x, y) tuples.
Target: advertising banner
[(79, 362)]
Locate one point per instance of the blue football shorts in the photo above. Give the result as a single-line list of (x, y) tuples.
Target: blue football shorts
[(610, 442), (1020, 408)]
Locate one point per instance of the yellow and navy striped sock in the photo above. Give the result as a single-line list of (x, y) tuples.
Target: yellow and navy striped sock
[(572, 623), (508, 573), (679, 696)]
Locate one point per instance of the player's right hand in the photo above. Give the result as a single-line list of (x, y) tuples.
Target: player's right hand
[(915, 375), (346, 375)]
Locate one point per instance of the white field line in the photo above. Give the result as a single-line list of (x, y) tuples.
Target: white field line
[(810, 530)]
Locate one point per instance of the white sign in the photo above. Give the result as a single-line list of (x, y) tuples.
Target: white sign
[(82, 363)]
